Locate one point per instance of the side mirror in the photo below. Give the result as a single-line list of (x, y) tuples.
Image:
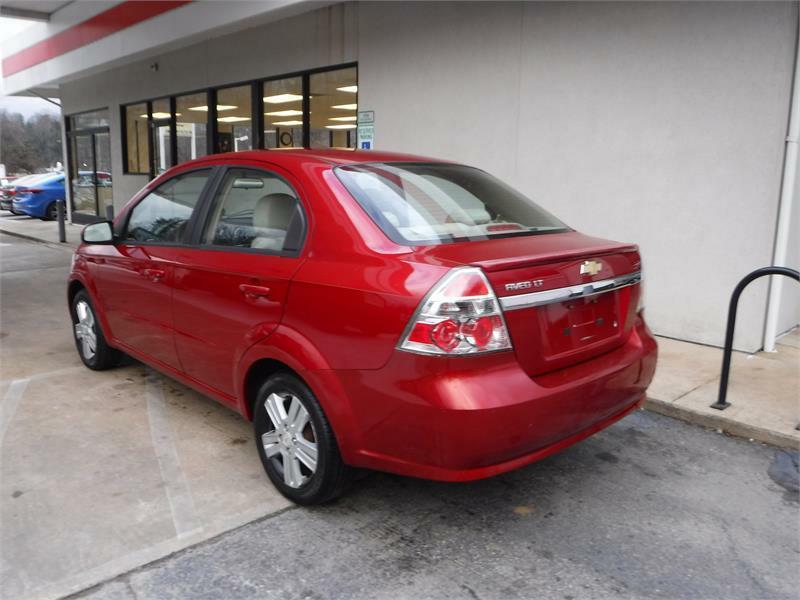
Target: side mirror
[(98, 233)]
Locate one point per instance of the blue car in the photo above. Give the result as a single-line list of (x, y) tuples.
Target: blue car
[(39, 197)]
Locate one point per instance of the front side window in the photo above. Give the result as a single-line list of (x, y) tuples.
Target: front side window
[(430, 203), (254, 209), (162, 215)]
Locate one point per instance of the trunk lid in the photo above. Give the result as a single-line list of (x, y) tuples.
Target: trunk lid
[(567, 297)]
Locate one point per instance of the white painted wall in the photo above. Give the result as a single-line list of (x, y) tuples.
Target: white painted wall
[(657, 123)]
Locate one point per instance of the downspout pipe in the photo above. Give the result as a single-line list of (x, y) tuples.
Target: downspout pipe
[(790, 167)]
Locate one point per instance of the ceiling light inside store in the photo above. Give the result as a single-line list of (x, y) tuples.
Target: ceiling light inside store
[(353, 118), (232, 119), (340, 126), (285, 113), (287, 123), (346, 106), (220, 108), (348, 88), (161, 115), (282, 98)]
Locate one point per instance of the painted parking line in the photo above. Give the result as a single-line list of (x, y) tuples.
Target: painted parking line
[(11, 401), (179, 494), (47, 374)]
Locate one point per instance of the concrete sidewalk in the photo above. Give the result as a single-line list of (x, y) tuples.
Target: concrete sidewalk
[(38, 230), (764, 389)]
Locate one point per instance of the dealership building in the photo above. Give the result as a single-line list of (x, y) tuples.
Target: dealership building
[(665, 124)]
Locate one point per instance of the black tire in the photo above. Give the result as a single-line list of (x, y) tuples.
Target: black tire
[(52, 212), (104, 356), (331, 475)]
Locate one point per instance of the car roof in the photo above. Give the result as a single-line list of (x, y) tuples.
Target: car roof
[(290, 158), (35, 177)]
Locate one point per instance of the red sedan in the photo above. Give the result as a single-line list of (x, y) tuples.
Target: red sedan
[(368, 309)]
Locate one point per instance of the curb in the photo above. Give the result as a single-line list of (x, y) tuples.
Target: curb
[(720, 423), (31, 238)]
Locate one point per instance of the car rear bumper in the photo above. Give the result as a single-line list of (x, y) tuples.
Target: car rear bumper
[(26, 206), (473, 417)]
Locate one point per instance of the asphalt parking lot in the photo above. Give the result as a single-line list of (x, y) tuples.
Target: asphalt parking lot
[(123, 484)]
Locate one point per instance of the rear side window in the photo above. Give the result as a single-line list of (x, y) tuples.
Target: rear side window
[(163, 215), (254, 209), (433, 203)]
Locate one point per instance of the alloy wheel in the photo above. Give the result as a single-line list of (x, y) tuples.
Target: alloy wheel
[(85, 329), (292, 443)]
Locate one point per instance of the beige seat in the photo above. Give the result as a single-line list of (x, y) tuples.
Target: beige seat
[(271, 218)]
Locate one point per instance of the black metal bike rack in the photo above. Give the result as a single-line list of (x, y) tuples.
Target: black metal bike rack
[(721, 403)]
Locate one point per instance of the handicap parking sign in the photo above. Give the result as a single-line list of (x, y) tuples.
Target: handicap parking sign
[(366, 130)]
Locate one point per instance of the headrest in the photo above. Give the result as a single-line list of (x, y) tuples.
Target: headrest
[(274, 211)]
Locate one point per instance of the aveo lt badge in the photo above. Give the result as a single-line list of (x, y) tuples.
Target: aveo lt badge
[(524, 285)]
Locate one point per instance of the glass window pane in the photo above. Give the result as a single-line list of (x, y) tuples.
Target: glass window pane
[(161, 148), (98, 118), (253, 210), (136, 138), (162, 156), (191, 116), (234, 123), (283, 113), (163, 214), (102, 177), (82, 172), (161, 109), (334, 108)]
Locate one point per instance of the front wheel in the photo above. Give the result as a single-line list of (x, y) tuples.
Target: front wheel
[(89, 339), (296, 442)]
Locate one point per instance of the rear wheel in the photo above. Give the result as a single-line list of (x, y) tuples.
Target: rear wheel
[(296, 442), (89, 339), (52, 212)]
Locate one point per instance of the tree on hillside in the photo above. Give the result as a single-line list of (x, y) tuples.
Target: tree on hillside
[(29, 146)]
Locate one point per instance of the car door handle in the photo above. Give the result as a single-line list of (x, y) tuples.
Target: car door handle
[(154, 275), (253, 292)]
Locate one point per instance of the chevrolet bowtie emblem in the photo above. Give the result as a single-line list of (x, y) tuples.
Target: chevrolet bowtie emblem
[(591, 267)]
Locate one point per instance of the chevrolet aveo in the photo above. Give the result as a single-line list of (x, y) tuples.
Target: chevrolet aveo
[(370, 310)]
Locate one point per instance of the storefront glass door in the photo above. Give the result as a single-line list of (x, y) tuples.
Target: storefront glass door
[(91, 181)]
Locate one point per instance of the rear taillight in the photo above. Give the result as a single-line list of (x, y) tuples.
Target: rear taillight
[(31, 191), (460, 315)]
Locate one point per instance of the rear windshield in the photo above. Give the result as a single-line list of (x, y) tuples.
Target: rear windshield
[(430, 203)]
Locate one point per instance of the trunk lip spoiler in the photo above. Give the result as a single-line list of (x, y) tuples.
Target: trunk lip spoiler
[(570, 292)]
